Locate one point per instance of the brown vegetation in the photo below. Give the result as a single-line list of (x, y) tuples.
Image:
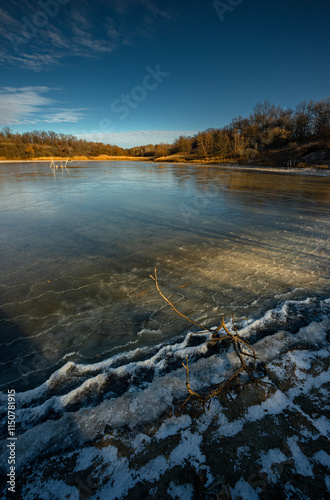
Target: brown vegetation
[(269, 135), (41, 144)]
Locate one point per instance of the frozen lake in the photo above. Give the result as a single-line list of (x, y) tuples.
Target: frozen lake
[(78, 246)]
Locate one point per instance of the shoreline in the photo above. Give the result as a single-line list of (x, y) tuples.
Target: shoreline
[(317, 170), (77, 158), (127, 446)]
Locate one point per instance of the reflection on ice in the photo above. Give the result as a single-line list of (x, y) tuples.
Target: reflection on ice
[(76, 255)]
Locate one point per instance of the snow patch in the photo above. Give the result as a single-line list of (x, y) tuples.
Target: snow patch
[(302, 464), (268, 459), (180, 491)]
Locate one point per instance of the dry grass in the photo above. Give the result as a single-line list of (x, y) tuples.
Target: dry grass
[(76, 158)]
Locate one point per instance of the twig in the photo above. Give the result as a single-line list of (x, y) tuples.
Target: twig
[(173, 307), (238, 343)]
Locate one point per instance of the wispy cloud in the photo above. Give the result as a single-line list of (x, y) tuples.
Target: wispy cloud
[(148, 18), (18, 106), (34, 62), (83, 41), (30, 105), (58, 39), (34, 40), (65, 115), (8, 24), (135, 138), (27, 44), (123, 7)]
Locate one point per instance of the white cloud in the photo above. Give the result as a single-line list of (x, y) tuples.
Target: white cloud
[(18, 106), (27, 105), (135, 138), (64, 115)]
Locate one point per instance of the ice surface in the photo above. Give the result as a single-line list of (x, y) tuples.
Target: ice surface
[(58, 423)]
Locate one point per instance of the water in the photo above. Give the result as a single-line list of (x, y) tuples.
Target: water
[(78, 246)]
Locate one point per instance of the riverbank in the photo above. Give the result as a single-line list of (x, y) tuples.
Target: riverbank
[(256, 441), (75, 158)]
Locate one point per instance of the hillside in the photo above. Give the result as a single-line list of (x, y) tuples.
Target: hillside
[(270, 135)]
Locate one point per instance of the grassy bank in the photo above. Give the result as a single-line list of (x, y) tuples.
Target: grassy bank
[(309, 154), (303, 155), (72, 158)]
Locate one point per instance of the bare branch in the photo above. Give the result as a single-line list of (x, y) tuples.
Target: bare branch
[(234, 338), (173, 307)]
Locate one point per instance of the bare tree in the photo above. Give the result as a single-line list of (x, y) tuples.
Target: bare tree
[(302, 120), (321, 118)]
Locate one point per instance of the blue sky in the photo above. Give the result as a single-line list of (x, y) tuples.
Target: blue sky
[(133, 72)]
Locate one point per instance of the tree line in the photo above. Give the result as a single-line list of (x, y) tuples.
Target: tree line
[(267, 127), (47, 144)]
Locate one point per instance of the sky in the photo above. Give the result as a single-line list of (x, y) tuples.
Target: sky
[(133, 72)]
